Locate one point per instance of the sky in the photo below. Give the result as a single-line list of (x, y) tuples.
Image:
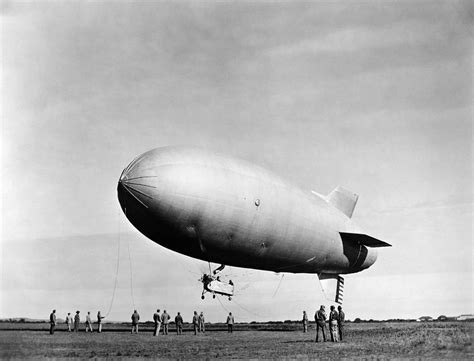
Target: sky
[(373, 96)]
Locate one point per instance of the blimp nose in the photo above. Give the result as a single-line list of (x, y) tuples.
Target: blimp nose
[(134, 186)]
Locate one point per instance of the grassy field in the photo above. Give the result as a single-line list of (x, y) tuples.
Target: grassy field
[(440, 340)]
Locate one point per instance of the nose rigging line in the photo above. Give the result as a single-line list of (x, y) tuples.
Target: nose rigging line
[(145, 176), (127, 182), (127, 186), (134, 196)]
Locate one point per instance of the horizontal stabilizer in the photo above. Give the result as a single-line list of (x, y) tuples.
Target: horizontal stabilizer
[(343, 200), (363, 239)]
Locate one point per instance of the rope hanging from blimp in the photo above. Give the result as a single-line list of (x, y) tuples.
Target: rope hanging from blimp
[(117, 268), (119, 241), (131, 273)]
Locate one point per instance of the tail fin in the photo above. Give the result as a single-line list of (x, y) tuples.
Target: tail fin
[(332, 287), (343, 200)]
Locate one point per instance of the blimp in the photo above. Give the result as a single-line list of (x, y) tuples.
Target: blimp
[(228, 211)]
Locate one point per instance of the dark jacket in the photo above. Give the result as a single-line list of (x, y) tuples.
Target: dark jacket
[(320, 316), (52, 318), (342, 317), (178, 320), (135, 318)]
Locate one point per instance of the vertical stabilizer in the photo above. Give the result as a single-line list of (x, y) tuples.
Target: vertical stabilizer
[(332, 287), (343, 200)]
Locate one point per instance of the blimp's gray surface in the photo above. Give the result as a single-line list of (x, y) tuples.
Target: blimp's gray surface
[(228, 211)]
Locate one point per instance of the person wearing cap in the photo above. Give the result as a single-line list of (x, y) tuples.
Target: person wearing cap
[(135, 319), (77, 321), (69, 321), (230, 323), (340, 322), (157, 321), (178, 320), (333, 316), (320, 318), (52, 322), (165, 320), (305, 322), (99, 321), (89, 323)]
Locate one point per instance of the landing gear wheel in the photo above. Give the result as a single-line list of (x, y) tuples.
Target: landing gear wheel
[(230, 298), (213, 296), (202, 297)]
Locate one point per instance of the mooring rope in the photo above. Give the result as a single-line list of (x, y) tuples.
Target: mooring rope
[(131, 274), (117, 268)]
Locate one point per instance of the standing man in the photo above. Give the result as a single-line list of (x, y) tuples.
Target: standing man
[(320, 318), (52, 322), (157, 320), (230, 323), (165, 319), (135, 319), (89, 322), (69, 322), (178, 320), (202, 327), (196, 322), (99, 321), (340, 321), (77, 321), (305, 322), (333, 317)]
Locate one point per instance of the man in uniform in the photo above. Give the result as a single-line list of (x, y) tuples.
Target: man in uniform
[(157, 320), (135, 319), (333, 316), (202, 327), (196, 322), (230, 323), (52, 322), (89, 322), (77, 321), (340, 321), (165, 319), (320, 318), (178, 320), (99, 321), (69, 321), (305, 322)]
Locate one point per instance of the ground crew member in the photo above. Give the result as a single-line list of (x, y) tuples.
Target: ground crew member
[(99, 321), (230, 323), (89, 322), (333, 316), (340, 322), (77, 321), (305, 322), (69, 321), (165, 319), (135, 319), (196, 322), (178, 320), (157, 320), (320, 318), (202, 327), (52, 322)]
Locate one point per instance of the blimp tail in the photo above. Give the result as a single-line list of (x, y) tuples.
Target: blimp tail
[(332, 287)]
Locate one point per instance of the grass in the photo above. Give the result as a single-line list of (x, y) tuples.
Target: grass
[(440, 340)]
